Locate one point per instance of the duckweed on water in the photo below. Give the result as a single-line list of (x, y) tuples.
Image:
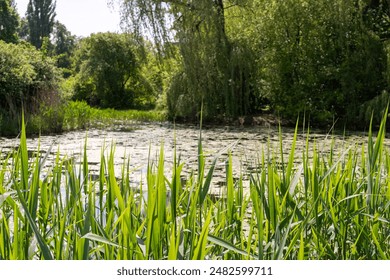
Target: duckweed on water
[(327, 207)]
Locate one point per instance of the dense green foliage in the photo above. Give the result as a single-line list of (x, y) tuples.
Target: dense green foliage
[(322, 66), (74, 115), (333, 206), (109, 72), (216, 70), (27, 79), (376, 16), (64, 44), (328, 60), (40, 17), (9, 21), (322, 58)]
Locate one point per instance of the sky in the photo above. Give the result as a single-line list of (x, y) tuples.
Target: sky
[(82, 17)]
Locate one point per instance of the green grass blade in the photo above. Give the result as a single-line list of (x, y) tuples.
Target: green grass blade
[(98, 238), (301, 252), (227, 245), (281, 245), (200, 248), (23, 151), (44, 247), (4, 196)]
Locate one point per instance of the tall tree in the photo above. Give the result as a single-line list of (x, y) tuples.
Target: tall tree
[(64, 45), (41, 18), (325, 64), (208, 55), (106, 64), (9, 21)]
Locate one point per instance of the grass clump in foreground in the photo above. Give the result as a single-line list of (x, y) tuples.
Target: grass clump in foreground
[(328, 207)]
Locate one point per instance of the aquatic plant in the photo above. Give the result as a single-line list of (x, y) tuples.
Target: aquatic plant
[(328, 206)]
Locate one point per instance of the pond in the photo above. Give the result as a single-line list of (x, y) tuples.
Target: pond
[(140, 143)]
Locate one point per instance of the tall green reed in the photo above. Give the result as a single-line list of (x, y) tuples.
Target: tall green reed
[(311, 206)]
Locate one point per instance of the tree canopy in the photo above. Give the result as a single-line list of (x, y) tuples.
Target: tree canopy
[(215, 69), (322, 58), (41, 18), (64, 45), (9, 21), (326, 59), (106, 62), (326, 63), (26, 78)]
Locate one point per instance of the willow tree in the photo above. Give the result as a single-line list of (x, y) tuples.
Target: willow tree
[(210, 74)]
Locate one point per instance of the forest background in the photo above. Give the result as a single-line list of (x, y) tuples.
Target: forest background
[(326, 60)]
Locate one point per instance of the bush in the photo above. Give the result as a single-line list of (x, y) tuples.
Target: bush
[(27, 79), (77, 115), (317, 65), (105, 64), (371, 110)]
